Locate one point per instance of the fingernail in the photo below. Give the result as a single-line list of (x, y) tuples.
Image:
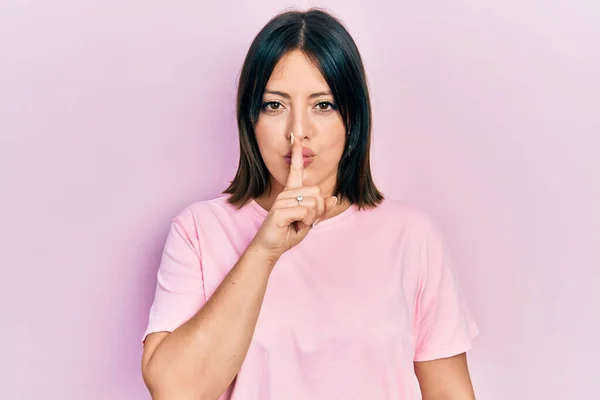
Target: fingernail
[(292, 138), (316, 222)]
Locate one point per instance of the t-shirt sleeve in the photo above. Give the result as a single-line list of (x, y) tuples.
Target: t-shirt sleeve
[(444, 324), (179, 290)]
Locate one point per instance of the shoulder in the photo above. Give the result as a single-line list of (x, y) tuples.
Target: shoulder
[(417, 236), (214, 209), (400, 215)]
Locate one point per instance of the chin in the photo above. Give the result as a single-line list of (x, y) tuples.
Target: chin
[(309, 180)]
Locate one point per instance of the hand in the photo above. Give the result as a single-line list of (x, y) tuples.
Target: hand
[(288, 222)]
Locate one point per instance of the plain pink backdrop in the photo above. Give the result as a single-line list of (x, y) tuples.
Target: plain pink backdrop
[(115, 115)]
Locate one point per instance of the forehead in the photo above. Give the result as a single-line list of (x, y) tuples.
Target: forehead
[(296, 72)]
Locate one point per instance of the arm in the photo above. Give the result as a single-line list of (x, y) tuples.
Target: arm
[(200, 359), (444, 325), (445, 379), (202, 356)]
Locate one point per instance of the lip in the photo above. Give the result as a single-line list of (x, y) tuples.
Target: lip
[(307, 157), (306, 152)]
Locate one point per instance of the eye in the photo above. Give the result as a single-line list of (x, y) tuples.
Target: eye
[(326, 106), (271, 106)]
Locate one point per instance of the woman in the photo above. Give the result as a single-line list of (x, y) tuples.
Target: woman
[(302, 282)]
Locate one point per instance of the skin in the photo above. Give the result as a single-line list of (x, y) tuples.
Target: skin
[(295, 106), (445, 379), (200, 359)]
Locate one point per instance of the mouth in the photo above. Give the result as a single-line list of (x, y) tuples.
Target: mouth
[(306, 160), (306, 152), (307, 157)]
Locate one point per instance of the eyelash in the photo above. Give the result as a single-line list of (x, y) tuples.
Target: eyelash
[(332, 105)]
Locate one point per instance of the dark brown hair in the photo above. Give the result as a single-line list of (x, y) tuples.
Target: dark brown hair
[(324, 39)]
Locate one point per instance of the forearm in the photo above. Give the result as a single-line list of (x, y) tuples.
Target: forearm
[(200, 359)]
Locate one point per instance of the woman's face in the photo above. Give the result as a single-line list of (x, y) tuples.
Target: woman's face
[(297, 99)]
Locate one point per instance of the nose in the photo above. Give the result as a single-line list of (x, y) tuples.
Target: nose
[(298, 134), (300, 125)]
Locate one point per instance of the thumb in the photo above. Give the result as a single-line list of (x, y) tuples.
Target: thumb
[(330, 205)]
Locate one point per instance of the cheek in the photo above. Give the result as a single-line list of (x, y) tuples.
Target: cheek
[(266, 137), (271, 145), (336, 146), (334, 135)]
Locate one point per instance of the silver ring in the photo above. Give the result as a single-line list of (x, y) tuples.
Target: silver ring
[(299, 198)]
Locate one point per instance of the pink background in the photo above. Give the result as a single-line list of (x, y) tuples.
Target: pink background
[(114, 115)]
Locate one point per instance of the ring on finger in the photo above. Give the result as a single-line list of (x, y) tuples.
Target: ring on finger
[(299, 198)]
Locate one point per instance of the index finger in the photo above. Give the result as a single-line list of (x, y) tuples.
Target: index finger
[(295, 177)]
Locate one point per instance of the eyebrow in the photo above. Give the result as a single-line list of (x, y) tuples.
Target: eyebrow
[(287, 96)]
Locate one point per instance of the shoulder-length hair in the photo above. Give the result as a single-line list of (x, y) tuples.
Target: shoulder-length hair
[(326, 42)]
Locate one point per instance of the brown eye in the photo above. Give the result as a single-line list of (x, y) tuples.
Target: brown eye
[(271, 106), (326, 106)]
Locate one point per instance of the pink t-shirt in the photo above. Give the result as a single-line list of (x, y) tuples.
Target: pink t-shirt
[(346, 312)]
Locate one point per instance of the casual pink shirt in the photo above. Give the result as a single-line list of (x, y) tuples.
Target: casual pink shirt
[(346, 312)]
